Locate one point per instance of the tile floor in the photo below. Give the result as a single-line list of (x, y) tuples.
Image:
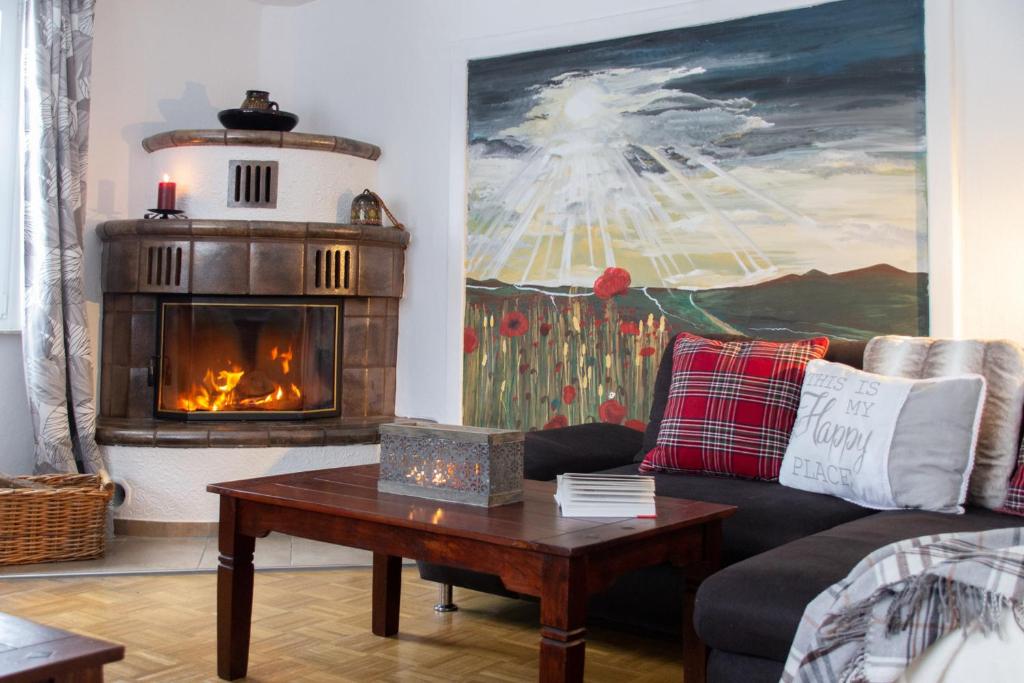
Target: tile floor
[(139, 555)]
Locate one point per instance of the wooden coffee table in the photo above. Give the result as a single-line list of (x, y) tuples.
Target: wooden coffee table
[(534, 550), (31, 653)]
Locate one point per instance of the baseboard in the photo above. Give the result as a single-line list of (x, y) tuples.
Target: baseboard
[(144, 527)]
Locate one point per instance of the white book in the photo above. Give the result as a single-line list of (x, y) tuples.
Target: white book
[(601, 495)]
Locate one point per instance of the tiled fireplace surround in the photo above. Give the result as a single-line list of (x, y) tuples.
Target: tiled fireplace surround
[(247, 259)]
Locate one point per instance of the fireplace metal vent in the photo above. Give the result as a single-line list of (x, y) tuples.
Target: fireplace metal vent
[(163, 266), (252, 184), (332, 269)]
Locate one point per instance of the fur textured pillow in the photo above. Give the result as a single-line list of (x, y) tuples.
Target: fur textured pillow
[(1001, 363)]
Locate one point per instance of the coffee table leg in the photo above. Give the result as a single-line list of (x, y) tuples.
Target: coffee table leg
[(563, 609), (387, 593), (234, 594), (695, 652)]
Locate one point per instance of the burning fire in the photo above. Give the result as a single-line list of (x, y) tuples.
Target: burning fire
[(229, 389)]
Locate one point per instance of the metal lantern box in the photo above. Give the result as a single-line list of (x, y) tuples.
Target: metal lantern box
[(470, 465)]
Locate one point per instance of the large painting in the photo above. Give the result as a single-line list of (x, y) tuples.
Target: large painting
[(762, 176)]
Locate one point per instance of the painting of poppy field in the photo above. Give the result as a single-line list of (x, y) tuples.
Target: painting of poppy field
[(752, 177)]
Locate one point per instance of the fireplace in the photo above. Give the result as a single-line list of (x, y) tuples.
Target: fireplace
[(252, 359), (248, 343)]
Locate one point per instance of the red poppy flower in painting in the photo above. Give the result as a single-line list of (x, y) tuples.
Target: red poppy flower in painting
[(647, 351), (612, 282), (514, 324), (611, 411), (523, 367), (557, 422), (469, 340), (558, 366), (636, 424), (545, 329), (568, 394), (629, 327)]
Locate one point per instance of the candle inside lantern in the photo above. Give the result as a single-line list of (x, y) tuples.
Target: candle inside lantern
[(165, 195)]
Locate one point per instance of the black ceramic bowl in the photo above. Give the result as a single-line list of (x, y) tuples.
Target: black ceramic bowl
[(258, 119)]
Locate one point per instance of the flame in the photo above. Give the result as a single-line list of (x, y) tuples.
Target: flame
[(217, 391), (167, 178)]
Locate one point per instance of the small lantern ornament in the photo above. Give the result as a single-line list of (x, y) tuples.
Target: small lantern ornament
[(367, 208)]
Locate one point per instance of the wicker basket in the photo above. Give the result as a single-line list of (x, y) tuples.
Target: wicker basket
[(65, 522)]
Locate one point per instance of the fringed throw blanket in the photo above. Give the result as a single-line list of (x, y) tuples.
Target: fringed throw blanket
[(902, 598)]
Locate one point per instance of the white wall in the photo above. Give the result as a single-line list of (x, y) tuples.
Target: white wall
[(991, 189), (387, 71)]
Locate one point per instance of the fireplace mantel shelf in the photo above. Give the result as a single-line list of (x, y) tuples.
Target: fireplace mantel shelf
[(261, 138), (168, 434)]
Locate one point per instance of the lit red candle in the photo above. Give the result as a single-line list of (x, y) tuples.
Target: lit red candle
[(165, 195)]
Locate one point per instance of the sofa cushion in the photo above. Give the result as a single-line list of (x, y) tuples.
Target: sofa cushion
[(753, 607), (731, 406), (839, 351), (581, 448), (769, 515)]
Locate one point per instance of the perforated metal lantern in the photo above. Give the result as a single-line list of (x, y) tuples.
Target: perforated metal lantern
[(470, 465), (366, 209)]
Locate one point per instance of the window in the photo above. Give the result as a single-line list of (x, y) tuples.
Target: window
[(10, 97)]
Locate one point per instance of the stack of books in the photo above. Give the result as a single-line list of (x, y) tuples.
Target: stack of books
[(605, 495)]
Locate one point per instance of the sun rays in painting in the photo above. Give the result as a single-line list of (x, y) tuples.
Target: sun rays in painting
[(762, 176)]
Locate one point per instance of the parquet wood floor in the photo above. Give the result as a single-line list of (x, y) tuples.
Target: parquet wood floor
[(313, 626)]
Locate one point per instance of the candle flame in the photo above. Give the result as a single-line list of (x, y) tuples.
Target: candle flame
[(167, 178)]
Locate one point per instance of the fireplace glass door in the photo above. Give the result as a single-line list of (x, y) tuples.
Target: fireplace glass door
[(249, 360)]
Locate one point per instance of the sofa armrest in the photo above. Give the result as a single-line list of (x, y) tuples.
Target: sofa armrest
[(582, 448)]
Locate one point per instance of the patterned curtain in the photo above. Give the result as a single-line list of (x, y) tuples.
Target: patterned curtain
[(55, 335)]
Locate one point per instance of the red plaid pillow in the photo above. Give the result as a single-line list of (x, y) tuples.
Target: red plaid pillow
[(731, 406), (1014, 503)]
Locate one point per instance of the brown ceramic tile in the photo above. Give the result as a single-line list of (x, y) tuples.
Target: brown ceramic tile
[(164, 266), (105, 388), (377, 306), (393, 306), (391, 342), (354, 344), (357, 305), (122, 302), (143, 339), (375, 392), (344, 436), (276, 268), (389, 391), (106, 341), (143, 302), (121, 266), (225, 228), (110, 435), (220, 267), (174, 436), (375, 271), (332, 231), (121, 337), (253, 138), (240, 435), (353, 392), (119, 379), (376, 344), (260, 229), (188, 137), (308, 436), (140, 394)]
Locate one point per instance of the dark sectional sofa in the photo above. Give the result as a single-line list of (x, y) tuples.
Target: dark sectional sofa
[(781, 549)]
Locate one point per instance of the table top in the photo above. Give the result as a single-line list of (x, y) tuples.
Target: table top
[(535, 523), (33, 652)]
